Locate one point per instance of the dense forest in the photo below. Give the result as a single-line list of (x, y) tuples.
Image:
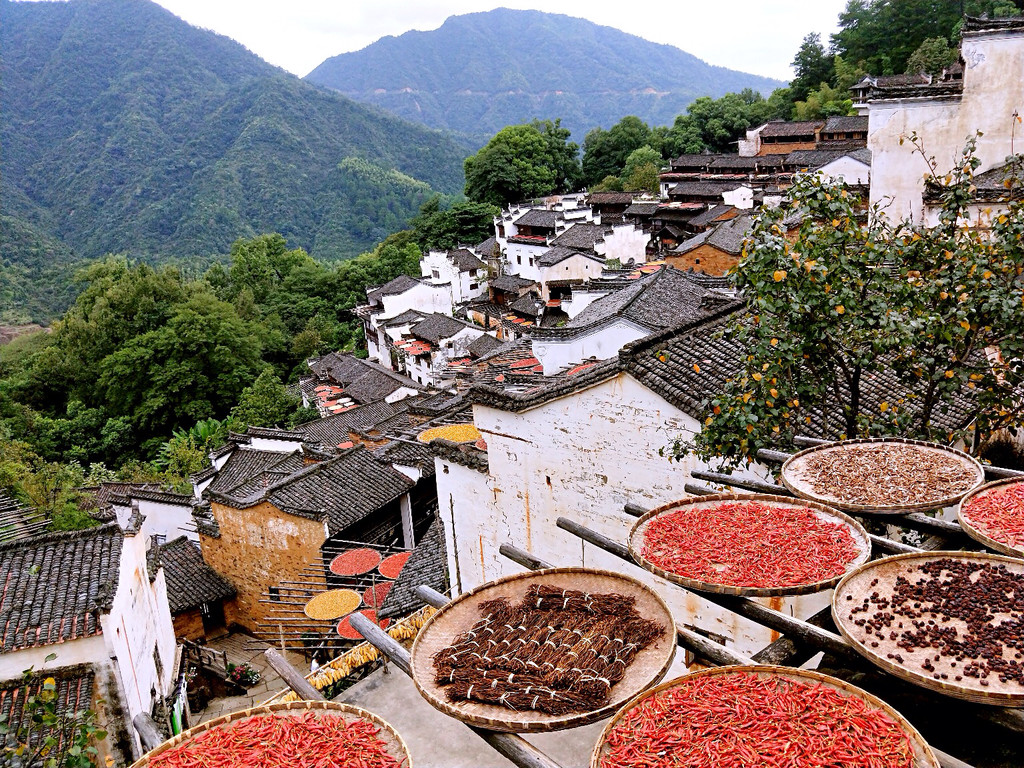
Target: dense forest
[(125, 130)]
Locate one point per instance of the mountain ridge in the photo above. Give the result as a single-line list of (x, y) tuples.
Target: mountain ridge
[(127, 130), (439, 76)]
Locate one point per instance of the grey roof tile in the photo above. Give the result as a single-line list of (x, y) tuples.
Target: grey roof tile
[(190, 581), (436, 327), (465, 260), (56, 585), (394, 287), (483, 345), (427, 565), (581, 236), (728, 236), (539, 218)]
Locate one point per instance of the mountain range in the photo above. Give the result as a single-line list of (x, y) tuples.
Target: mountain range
[(126, 130), (479, 72)]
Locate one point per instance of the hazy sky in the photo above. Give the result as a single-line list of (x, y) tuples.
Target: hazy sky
[(749, 35)]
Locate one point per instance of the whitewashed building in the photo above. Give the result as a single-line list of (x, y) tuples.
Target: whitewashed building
[(85, 607), (459, 269)]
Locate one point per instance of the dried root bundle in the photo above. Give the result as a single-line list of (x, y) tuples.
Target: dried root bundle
[(558, 651)]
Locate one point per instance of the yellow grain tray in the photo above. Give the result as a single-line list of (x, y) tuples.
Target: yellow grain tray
[(333, 604), (457, 433)]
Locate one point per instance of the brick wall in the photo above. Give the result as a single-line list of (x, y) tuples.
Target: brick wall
[(189, 625), (784, 148), (258, 548), (704, 258)]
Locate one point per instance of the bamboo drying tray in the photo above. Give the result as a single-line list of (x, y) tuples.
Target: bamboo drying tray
[(441, 629), (886, 570), (925, 758), (636, 542), (793, 468), (976, 532), (395, 744)]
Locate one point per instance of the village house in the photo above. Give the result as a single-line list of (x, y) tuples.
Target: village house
[(714, 251), (945, 113), (196, 594), (430, 343), (339, 381), (459, 269), (90, 607), (272, 513)]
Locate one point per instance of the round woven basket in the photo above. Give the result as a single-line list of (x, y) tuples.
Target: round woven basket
[(860, 537), (793, 468), (975, 531), (925, 757), (886, 570), (441, 629), (395, 745)]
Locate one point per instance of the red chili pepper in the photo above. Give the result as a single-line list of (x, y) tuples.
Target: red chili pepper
[(998, 513), (269, 741), (749, 544), (738, 720)]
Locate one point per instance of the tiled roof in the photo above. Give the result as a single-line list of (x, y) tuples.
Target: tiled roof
[(345, 490), (55, 586), (580, 236), (980, 25), (845, 124), (539, 218), (361, 380), (558, 254), (687, 364), (709, 188), (694, 161), (728, 236), (190, 581), (465, 260), (102, 496), (528, 305), (394, 287), (660, 300), (335, 429), (255, 484), (272, 433), (990, 186), (779, 128), (179, 499), (427, 565), (735, 162), (486, 248), (409, 316), (813, 158), (244, 464), (437, 327), (74, 689), (610, 198), (481, 346), (710, 215), (510, 283), (641, 209)]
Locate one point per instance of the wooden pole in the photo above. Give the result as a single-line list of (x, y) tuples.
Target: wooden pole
[(148, 730), (514, 747), (292, 676)]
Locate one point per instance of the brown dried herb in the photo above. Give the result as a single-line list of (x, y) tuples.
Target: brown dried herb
[(886, 474)]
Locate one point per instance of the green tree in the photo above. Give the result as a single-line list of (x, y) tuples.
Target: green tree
[(45, 734), (824, 102), (813, 66), (438, 228), (638, 158), (720, 122), (187, 451), (608, 184), (191, 368), (261, 264), (605, 152), (264, 403), (522, 162), (851, 299), (683, 138), (933, 55)]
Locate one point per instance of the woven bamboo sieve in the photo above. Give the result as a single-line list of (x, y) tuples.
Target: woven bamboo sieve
[(924, 756), (649, 665), (395, 745), (975, 531), (860, 537)]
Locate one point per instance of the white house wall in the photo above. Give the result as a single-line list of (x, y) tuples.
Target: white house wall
[(625, 243), (169, 520), (582, 457), (521, 260), (993, 88), (847, 169), (577, 268), (138, 629), (603, 343), (424, 297), (580, 300)]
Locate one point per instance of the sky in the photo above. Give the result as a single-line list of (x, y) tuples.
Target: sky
[(747, 35)]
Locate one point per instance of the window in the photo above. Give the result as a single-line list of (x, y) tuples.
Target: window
[(474, 286), (519, 259), (435, 274), (275, 594)]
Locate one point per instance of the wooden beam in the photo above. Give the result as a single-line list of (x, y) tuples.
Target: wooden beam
[(295, 679), (149, 732)]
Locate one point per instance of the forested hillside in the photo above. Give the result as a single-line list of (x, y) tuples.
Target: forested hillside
[(126, 130), (483, 71)]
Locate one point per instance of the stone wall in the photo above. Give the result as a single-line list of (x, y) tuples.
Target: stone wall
[(704, 258), (258, 548)]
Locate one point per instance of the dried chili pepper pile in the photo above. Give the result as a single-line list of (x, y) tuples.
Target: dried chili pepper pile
[(749, 544), (267, 741), (998, 513), (738, 720), (953, 619), (886, 474), (558, 651)]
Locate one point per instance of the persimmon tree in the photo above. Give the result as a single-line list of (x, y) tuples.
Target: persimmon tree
[(930, 315)]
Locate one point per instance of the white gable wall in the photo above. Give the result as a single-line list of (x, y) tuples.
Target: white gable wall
[(625, 243), (583, 457), (602, 343), (846, 169), (166, 519), (578, 268), (423, 297)]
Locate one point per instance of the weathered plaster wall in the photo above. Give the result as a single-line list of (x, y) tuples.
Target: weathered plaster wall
[(258, 548), (704, 258), (626, 243), (575, 268), (581, 457), (602, 343), (993, 90)]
